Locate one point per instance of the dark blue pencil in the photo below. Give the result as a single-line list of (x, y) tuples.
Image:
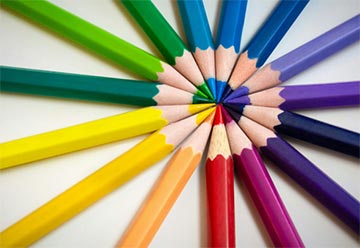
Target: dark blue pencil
[(228, 40), (199, 37), (303, 171), (305, 128)]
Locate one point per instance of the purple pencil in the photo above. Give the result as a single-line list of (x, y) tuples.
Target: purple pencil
[(325, 95), (251, 170), (303, 171), (301, 58)]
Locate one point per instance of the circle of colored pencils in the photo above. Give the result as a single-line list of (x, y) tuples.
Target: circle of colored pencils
[(92, 133), (220, 187), (305, 128), (167, 41), (250, 169), (93, 88), (333, 197), (100, 41), (310, 96), (100, 183), (167, 188), (301, 58)]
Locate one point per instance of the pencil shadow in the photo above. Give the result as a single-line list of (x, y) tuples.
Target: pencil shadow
[(253, 211), (215, 25), (179, 25), (307, 197), (202, 199)]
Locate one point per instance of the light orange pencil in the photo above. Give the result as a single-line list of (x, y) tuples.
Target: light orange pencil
[(167, 189)]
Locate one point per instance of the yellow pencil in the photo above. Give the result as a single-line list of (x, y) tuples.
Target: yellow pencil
[(92, 133), (167, 189), (100, 183)]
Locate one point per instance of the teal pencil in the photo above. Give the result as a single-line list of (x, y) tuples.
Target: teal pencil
[(93, 88)]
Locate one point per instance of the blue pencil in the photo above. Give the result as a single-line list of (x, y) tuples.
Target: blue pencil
[(304, 128), (265, 41), (228, 41), (302, 171), (199, 38)]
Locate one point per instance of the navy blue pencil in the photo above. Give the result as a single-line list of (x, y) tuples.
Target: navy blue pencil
[(303, 171), (304, 128)]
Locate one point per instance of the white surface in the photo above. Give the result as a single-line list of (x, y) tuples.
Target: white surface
[(25, 188)]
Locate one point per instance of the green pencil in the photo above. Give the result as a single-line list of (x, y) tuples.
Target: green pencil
[(93, 88), (167, 41), (101, 42)]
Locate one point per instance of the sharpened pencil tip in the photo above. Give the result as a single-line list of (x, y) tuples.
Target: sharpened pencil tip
[(236, 115), (241, 91)]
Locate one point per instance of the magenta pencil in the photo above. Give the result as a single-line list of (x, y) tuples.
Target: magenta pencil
[(251, 170)]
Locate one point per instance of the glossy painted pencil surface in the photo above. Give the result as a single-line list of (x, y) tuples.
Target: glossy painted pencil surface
[(251, 170), (305, 128), (220, 187), (93, 88), (167, 189), (100, 183), (301, 58), (92, 133), (228, 40), (100, 41), (304, 96), (167, 41), (265, 40), (304, 172), (199, 37)]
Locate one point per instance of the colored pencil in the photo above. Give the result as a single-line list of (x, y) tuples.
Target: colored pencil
[(303, 171), (199, 37), (92, 133), (228, 40), (167, 189), (251, 170), (220, 187), (167, 41), (93, 88), (305, 128), (100, 183), (301, 58), (100, 41), (265, 41), (304, 96)]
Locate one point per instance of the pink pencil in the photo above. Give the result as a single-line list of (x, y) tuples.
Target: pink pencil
[(251, 170)]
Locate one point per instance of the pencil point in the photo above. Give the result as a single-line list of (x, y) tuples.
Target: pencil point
[(241, 91), (235, 115), (228, 90), (226, 115), (239, 100), (212, 85), (220, 87), (201, 94), (205, 89), (218, 116), (199, 99)]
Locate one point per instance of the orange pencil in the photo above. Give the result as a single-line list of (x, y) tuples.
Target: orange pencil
[(167, 189)]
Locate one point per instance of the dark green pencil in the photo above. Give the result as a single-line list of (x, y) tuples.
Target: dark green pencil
[(93, 88)]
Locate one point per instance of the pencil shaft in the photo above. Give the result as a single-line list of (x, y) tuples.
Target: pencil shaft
[(90, 134), (93, 88), (98, 184), (166, 40), (313, 180), (100, 41)]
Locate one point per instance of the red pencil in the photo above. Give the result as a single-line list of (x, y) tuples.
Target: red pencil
[(220, 187)]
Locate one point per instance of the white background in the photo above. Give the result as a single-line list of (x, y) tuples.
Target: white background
[(24, 188)]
